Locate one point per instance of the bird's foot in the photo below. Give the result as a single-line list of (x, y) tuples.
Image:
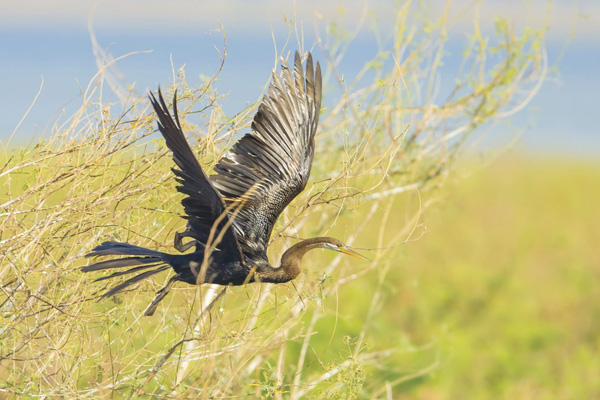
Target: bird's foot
[(159, 296), (178, 242)]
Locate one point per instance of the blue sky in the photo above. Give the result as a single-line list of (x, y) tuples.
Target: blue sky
[(52, 40)]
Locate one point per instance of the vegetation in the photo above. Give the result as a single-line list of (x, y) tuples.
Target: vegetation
[(400, 324), (503, 290)]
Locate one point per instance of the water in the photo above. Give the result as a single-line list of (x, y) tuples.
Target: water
[(561, 119)]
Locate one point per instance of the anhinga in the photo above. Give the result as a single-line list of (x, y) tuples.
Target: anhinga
[(231, 213)]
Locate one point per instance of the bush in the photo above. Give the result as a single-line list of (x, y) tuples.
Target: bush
[(384, 150)]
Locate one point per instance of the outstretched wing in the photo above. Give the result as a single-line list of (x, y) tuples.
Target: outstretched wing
[(203, 205), (270, 166)]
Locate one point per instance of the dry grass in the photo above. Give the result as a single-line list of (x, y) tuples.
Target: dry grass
[(383, 149)]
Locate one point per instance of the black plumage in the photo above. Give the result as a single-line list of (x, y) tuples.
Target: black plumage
[(231, 214)]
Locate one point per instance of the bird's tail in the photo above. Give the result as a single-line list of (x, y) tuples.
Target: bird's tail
[(143, 259)]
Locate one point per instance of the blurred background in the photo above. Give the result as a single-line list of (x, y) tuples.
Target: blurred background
[(500, 297), (49, 45)]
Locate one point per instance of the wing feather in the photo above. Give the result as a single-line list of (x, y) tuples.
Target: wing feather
[(266, 169), (203, 204)]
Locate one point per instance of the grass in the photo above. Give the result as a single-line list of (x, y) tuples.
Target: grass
[(505, 285), (384, 152)]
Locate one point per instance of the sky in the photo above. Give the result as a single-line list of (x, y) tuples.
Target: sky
[(48, 44)]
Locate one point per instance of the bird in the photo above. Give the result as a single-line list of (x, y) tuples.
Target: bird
[(231, 213)]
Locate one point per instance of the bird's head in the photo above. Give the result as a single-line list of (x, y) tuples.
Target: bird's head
[(291, 258), (336, 245)]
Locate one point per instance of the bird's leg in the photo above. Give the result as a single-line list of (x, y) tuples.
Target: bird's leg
[(160, 295), (178, 241)]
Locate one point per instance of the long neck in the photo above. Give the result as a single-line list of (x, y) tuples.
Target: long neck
[(290, 261)]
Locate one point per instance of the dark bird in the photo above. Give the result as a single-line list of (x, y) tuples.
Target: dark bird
[(231, 213)]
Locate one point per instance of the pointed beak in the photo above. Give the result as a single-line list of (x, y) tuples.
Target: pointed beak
[(350, 252)]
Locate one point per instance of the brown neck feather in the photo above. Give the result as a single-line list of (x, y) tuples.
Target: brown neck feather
[(290, 261)]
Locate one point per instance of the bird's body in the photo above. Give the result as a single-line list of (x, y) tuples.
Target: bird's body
[(231, 214)]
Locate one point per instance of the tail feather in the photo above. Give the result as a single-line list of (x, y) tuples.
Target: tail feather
[(120, 263), (144, 259), (128, 271), (135, 279), (122, 249)]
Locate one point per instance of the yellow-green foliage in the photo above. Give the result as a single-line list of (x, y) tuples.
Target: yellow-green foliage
[(344, 328), (503, 293)]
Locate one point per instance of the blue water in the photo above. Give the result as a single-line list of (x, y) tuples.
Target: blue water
[(561, 119)]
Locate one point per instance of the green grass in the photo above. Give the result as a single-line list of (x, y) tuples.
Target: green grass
[(506, 285), (498, 299)]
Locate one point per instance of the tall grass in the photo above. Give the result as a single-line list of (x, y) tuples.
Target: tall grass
[(383, 152)]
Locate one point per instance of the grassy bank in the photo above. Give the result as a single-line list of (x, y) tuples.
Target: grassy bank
[(503, 291), (495, 298)]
